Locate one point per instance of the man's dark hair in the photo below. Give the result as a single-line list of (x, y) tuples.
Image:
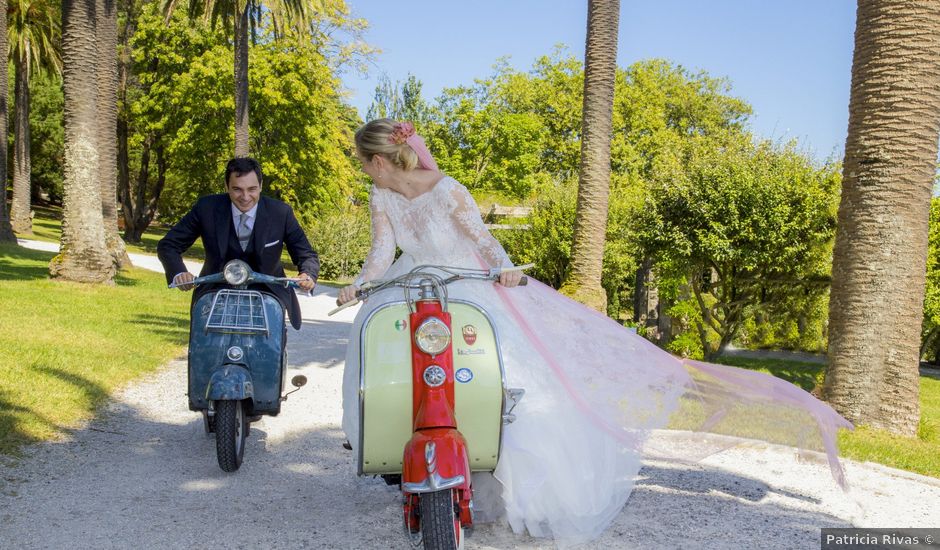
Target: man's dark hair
[(241, 166)]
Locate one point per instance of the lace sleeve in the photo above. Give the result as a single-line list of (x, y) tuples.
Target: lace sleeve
[(467, 215), (382, 253)]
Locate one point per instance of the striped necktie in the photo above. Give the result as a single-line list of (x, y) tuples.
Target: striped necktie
[(244, 232)]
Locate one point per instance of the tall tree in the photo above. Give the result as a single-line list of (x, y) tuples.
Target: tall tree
[(399, 101), (600, 69), (879, 260), (243, 18), (34, 32), (83, 253), (6, 230), (107, 73)]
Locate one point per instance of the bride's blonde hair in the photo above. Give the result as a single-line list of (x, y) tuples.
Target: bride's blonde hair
[(373, 138)]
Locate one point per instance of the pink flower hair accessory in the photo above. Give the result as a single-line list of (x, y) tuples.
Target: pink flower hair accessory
[(401, 132), (404, 133)]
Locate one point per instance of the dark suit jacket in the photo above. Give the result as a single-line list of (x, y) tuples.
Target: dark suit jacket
[(211, 220)]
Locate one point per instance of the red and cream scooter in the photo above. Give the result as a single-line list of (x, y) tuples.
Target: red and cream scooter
[(432, 405)]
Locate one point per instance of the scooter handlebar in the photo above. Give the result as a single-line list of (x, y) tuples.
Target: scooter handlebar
[(343, 306)]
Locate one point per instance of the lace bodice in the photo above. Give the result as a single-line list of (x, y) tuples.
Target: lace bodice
[(442, 226)]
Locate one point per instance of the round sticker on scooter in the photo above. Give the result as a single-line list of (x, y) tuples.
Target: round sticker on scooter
[(463, 375)]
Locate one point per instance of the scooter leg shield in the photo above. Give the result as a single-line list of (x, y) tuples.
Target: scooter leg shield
[(434, 460), (231, 382)]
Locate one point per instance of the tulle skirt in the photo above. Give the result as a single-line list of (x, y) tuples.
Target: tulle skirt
[(594, 392)]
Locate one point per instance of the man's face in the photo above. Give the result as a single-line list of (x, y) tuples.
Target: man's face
[(244, 190)]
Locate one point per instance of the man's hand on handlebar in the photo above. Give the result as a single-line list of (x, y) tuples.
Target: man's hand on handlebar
[(183, 280), (305, 282), (347, 294)]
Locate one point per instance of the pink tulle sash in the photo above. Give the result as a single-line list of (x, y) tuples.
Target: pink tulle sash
[(692, 395)]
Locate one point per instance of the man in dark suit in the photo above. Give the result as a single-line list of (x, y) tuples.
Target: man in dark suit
[(241, 225)]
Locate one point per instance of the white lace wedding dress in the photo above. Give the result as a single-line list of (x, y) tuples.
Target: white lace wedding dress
[(593, 388)]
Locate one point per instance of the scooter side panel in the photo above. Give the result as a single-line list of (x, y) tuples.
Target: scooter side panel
[(385, 390), (478, 384)]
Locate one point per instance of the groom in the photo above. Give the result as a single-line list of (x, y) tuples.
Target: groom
[(241, 225)]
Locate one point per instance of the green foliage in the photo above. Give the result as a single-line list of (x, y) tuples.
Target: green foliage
[(342, 240), (513, 131), (930, 339), (746, 224), (796, 321), (547, 243), (300, 128), (47, 135), (400, 101), (34, 34)]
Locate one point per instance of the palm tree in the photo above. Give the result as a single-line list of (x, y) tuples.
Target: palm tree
[(286, 15), (600, 68), (878, 270), (83, 254), (34, 32), (6, 230), (106, 31)]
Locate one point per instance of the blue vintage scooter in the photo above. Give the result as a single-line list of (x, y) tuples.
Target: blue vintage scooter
[(237, 357)]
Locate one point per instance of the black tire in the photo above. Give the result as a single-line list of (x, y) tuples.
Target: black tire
[(440, 522), (231, 428)]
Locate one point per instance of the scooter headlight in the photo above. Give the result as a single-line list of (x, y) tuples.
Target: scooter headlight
[(236, 272), (432, 336)]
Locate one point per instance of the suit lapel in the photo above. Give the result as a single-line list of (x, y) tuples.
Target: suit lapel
[(223, 225)]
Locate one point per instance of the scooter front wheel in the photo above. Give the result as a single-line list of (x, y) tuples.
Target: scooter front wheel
[(231, 428), (440, 521)]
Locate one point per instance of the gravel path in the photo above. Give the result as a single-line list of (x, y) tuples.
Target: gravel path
[(144, 474)]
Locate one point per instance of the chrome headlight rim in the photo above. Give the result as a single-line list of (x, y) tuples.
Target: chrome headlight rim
[(424, 332), (236, 272)]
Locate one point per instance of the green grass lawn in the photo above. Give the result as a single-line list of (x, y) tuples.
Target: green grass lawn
[(47, 226), (919, 454), (67, 346)]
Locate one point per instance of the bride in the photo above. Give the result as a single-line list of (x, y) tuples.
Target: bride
[(594, 390)]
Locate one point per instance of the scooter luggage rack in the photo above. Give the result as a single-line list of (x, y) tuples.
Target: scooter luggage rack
[(238, 311)]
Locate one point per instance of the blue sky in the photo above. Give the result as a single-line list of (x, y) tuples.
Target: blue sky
[(790, 60)]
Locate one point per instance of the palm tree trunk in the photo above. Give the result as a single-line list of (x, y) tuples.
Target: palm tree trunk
[(106, 31), (600, 69), (20, 210), (241, 82), (83, 254), (878, 271), (6, 230)]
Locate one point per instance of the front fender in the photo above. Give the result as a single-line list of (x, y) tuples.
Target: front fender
[(231, 382), (446, 467)]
